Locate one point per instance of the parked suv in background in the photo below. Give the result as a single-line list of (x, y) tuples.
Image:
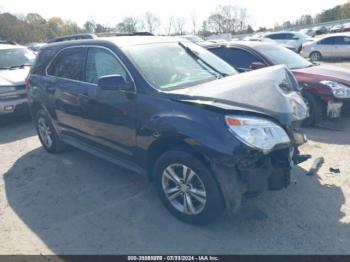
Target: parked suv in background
[(294, 39), (171, 110), (15, 61)]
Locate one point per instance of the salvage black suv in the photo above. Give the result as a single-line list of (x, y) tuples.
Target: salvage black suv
[(169, 109)]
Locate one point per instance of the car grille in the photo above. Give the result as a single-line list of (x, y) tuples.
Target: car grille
[(18, 92)]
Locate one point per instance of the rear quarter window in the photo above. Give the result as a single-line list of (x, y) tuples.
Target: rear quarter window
[(328, 41), (41, 61), (68, 64)]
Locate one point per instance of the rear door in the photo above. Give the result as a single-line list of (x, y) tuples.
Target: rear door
[(330, 46), (344, 47), (65, 75), (291, 40)]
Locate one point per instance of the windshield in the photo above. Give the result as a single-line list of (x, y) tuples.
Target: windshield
[(11, 58), (177, 64), (282, 56)]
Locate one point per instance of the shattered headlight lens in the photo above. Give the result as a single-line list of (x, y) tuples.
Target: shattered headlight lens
[(257, 132), (299, 108), (339, 90)]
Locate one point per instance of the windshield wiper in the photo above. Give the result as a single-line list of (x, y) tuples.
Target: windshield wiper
[(19, 66), (194, 55)]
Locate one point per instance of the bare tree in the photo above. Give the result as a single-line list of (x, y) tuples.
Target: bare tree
[(228, 19), (194, 23), (180, 23), (170, 26), (90, 26), (152, 22), (243, 17), (128, 25)]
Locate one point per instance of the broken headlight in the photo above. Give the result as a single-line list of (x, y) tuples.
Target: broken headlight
[(257, 132), (299, 108), (339, 90)]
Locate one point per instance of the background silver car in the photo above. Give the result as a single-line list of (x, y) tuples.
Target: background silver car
[(331, 46), (292, 39)]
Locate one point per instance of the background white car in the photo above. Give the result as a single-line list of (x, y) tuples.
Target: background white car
[(331, 46), (294, 39)]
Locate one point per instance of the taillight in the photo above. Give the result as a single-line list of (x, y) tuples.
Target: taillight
[(26, 82)]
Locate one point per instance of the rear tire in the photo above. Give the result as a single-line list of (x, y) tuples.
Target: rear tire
[(47, 133), (187, 188), (315, 56), (317, 109)]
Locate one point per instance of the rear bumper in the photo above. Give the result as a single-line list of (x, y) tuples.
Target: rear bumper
[(13, 106), (304, 53)]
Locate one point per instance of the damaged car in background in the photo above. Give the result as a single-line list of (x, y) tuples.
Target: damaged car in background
[(165, 107), (325, 89)]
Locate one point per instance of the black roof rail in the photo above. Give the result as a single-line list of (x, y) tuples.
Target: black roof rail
[(107, 34), (7, 42), (94, 36), (71, 37)]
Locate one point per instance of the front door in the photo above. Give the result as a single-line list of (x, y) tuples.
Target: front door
[(109, 115)]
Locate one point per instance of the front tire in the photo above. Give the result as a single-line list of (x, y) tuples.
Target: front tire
[(316, 108), (187, 188), (47, 133)]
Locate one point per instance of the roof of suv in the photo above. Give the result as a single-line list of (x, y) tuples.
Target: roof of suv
[(120, 41)]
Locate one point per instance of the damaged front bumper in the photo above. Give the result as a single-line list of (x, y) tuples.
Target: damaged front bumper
[(253, 172), (266, 172), (334, 108)]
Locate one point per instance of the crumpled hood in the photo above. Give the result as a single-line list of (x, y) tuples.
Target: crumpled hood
[(258, 91), (13, 77)]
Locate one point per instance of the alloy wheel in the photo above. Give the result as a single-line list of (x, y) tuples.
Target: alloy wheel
[(315, 56), (45, 132), (184, 189)]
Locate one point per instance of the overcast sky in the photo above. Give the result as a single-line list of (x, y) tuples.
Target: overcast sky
[(109, 12)]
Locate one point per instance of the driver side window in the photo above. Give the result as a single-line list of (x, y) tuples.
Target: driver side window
[(101, 62)]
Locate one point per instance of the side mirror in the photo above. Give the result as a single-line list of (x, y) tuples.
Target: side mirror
[(295, 38), (113, 82), (256, 65)]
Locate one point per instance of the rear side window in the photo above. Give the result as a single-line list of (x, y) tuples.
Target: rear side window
[(68, 64), (328, 41), (238, 58), (42, 61), (341, 40), (346, 40), (101, 62), (277, 36), (288, 36)]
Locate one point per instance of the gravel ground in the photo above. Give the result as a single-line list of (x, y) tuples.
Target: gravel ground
[(75, 203)]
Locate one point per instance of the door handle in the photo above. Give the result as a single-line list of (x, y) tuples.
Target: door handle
[(50, 89)]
